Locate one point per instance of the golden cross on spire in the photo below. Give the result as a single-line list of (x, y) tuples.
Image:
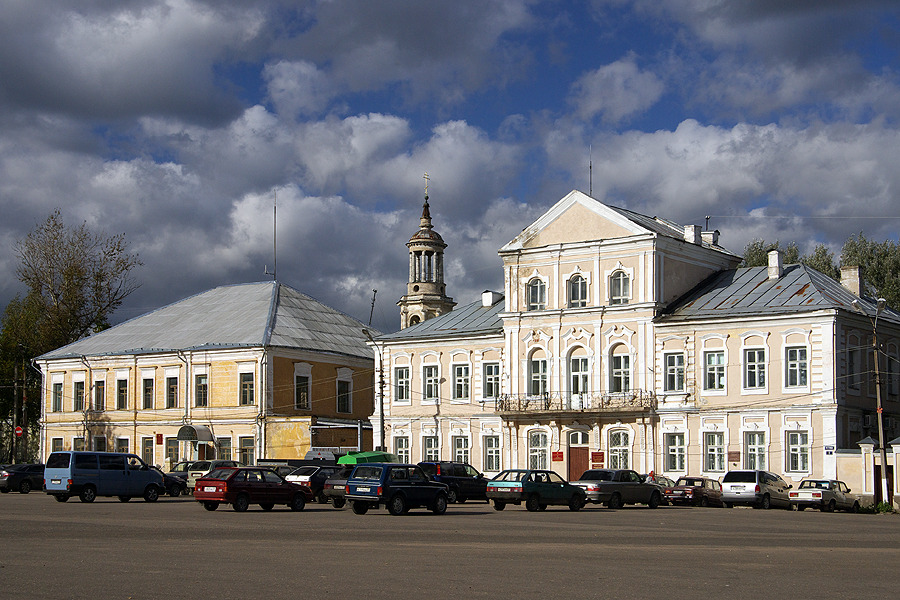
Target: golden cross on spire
[(426, 177)]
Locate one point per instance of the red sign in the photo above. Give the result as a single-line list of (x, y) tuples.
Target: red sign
[(19, 432), (159, 439), (597, 459), (557, 457)]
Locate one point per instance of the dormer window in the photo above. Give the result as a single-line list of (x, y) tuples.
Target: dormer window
[(536, 293), (619, 288), (577, 292)]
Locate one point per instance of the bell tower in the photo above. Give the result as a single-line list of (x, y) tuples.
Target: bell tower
[(426, 293)]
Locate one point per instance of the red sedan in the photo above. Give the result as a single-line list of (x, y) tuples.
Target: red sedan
[(243, 486)]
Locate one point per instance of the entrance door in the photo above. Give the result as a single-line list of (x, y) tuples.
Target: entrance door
[(579, 454)]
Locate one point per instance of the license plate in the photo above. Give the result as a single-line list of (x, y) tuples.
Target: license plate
[(363, 488), (338, 487), (209, 489), (57, 481), (739, 488)]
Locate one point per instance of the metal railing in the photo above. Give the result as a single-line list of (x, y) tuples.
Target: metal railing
[(564, 402)]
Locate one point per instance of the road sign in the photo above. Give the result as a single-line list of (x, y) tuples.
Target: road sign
[(19, 431)]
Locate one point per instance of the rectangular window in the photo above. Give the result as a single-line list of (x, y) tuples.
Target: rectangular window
[(714, 370), (854, 368), (301, 393), (78, 394), (171, 392), (430, 450), (147, 393), (430, 384), (246, 451), (461, 382), (577, 292), (538, 445), (344, 401), (579, 376), (147, 450), (401, 449), (401, 385), (674, 372), (491, 381), (536, 295), (675, 451), (621, 373), (714, 451), (491, 452), (56, 445), (99, 443), (78, 444), (891, 361), (99, 395), (57, 401), (121, 445), (795, 367), (754, 369), (121, 394), (201, 390), (172, 450), (798, 451), (246, 390), (755, 450), (538, 372), (460, 449), (223, 448)]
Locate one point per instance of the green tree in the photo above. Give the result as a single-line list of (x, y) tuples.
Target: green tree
[(822, 260), (879, 263), (756, 253)]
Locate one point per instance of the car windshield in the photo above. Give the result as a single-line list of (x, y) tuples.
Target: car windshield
[(181, 467), (200, 465), (58, 461), (596, 476), (511, 476), (219, 474), (429, 468), (821, 485), (364, 472), (739, 477), (690, 482), (305, 471)]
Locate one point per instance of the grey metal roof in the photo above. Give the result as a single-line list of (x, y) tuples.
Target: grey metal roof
[(465, 320), (750, 292), (232, 316)]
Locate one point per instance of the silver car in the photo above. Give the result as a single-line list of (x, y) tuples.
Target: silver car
[(760, 489)]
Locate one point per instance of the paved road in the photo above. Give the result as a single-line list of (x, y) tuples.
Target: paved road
[(175, 549)]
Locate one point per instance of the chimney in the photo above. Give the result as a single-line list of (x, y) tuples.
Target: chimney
[(775, 268), (851, 278), (692, 234), (710, 237), (489, 298)]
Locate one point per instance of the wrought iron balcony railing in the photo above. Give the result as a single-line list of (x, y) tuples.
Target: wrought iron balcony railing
[(588, 403)]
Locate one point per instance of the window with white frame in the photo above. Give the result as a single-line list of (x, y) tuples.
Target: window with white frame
[(755, 450), (577, 291), (147, 393), (538, 450), (620, 376), (401, 385), (401, 448), (246, 387), (302, 400), (56, 445), (536, 294), (121, 394), (460, 448), (491, 445), (491, 381), (714, 451), (223, 448), (798, 451), (201, 390), (78, 444), (56, 404), (891, 370), (795, 367), (430, 384), (246, 450), (344, 396), (674, 372), (619, 449), (430, 450), (854, 364), (579, 376), (78, 393), (461, 383), (172, 449), (99, 394), (99, 443), (172, 392), (754, 368), (714, 370), (675, 451), (148, 446), (537, 375), (619, 288), (122, 445)]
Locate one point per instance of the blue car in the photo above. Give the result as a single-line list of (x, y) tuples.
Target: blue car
[(397, 486)]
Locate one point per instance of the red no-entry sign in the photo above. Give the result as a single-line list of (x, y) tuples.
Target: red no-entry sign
[(18, 432)]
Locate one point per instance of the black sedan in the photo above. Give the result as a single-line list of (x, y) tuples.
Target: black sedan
[(22, 478)]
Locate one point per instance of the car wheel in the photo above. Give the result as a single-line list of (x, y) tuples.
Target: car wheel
[(267, 505), (61, 497), (338, 502), (298, 502), (439, 506), (25, 487), (654, 500), (533, 503), (801, 507), (241, 503), (727, 505), (766, 502), (830, 506), (452, 496), (615, 502), (124, 498), (461, 499), (88, 494), (704, 502), (4, 490), (397, 504), (855, 507), (321, 498), (360, 508), (210, 505), (498, 505), (576, 502), (151, 494), (175, 490)]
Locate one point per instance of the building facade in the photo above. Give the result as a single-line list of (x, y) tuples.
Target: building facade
[(243, 372)]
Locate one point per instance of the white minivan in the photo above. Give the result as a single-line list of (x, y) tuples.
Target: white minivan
[(91, 474)]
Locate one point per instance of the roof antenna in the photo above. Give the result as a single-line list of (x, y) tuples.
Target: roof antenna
[(372, 311), (707, 222), (274, 239)]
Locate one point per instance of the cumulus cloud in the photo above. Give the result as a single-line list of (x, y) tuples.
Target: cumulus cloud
[(615, 91)]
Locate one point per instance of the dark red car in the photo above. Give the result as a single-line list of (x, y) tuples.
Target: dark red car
[(695, 491), (243, 486)]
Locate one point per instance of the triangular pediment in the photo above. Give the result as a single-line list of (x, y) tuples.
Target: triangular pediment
[(575, 218)]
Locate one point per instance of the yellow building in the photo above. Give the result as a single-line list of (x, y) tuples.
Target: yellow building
[(246, 371)]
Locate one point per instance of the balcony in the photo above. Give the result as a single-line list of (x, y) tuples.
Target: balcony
[(559, 403)]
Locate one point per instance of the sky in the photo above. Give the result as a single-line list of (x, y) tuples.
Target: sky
[(179, 122)]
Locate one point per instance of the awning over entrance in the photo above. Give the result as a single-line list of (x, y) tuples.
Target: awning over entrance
[(194, 433)]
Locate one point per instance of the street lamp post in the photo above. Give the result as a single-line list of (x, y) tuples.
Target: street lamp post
[(380, 390), (879, 306)]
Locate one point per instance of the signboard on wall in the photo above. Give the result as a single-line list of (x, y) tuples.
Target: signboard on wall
[(557, 456), (159, 439), (598, 459), (734, 456)]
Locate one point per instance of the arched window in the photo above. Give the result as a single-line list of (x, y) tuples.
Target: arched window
[(579, 438), (579, 376), (619, 288), (619, 449), (536, 293), (538, 450), (577, 292)]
